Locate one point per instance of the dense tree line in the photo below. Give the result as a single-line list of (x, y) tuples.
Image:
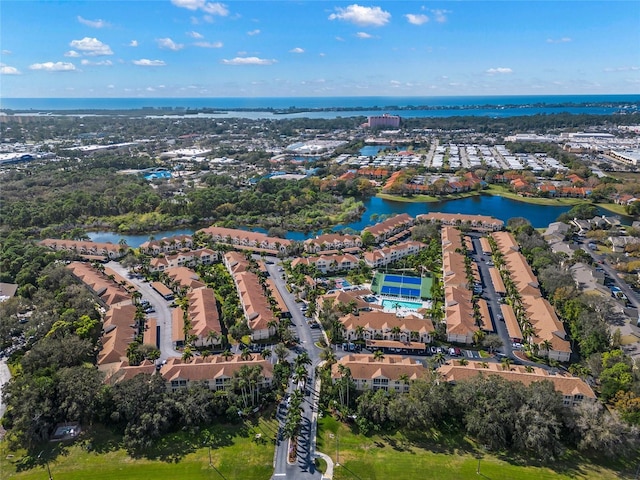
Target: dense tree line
[(53, 353), (589, 320), (501, 415)]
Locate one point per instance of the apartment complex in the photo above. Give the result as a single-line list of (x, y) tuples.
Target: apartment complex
[(391, 372)]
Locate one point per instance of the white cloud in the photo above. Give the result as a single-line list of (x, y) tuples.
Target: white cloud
[(362, 16), (7, 70), (104, 63), (248, 61), (559, 40), (340, 39), (208, 44), (363, 35), (111, 86), (91, 46), (212, 8), (499, 70), (6, 52), (296, 50), (169, 44), (253, 32), (53, 67), (193, 34), (145, 62), (93, 23), (133, 43), (322, 54), (440, 16), (72, 53), (628, 68), (416, 19)]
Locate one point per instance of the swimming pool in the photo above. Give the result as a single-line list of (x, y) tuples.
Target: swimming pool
[(391, 304)]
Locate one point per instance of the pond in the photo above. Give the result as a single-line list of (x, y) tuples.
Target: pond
[(496, 206)]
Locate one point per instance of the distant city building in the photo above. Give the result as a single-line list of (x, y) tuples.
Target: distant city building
[(385, 120)]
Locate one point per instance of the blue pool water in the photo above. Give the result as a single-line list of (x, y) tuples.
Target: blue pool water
[(391, 304)]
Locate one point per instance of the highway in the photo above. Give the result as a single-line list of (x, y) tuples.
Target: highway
[(162, 313)]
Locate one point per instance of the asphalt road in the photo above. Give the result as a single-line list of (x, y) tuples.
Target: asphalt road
[(490, 295), (303, 468), (611, 273), (162, 313)]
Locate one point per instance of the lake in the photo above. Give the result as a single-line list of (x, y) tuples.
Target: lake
[(496, 206)]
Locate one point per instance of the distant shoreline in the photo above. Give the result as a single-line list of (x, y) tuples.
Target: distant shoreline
[(293, 105)]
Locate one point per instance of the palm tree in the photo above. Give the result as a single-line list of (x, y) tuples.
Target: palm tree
[(529, 369), (328, 356), (246, 353), (439, 358), (463, 362), (404, 378), (212, 336), (478, 336), (546, 345), (226, 354), (484, 365), (187, 354), (300, 374), (506, 363), (378, 356), (205, 354), (302, 360), (395, 331), (360, 332), (281, 352), (266, 353)]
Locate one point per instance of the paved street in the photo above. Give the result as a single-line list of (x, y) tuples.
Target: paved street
[(162, 313), (490, 295), (304, 467)]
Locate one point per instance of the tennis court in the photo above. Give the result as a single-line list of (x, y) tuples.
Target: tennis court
[(402, 286), (402, 279)]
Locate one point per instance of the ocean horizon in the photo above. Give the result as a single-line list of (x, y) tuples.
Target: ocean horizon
[(222, 103)]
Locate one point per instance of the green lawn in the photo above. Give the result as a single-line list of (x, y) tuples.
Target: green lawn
[(397, 457), (237, 455), (504, 191)]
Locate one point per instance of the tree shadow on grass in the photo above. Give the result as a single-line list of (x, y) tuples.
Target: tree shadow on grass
[(42, 454), (575, 464)]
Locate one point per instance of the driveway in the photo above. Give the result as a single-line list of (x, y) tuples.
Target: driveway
[(162, 313)]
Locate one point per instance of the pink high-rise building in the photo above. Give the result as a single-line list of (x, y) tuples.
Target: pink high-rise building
[(385, 120)]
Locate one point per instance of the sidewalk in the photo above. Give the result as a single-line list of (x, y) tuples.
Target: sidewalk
[(328, 475)]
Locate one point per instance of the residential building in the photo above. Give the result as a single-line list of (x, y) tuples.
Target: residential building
[(391, 372), (328, 263), (252, 295), (573, 389), (244, 238), (216, 372), (203, 256), (378, 325), (385, 229), (332, 241), (89, 250), (384, 256), (476, 222), (202, 313), (167, 244)]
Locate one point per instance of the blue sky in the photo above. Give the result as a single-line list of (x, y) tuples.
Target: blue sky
[(202, 48)]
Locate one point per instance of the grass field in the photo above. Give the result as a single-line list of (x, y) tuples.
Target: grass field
[(237, 455), (399, 458)]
